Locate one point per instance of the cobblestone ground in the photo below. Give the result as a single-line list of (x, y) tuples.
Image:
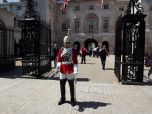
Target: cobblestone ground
[(31, 96), (40, 96)]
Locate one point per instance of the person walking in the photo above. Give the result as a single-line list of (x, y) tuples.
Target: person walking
[(148, 63), (68, 67), (83, 56), (103, 54), (54, 52)]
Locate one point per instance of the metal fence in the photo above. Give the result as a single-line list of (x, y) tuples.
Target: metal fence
[(118, 48), (36, 40), (130, 44)]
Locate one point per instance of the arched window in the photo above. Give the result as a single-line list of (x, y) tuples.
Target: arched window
[(91, 23)]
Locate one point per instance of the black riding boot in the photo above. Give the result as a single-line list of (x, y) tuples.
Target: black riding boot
[(71, 84), (62, 89)]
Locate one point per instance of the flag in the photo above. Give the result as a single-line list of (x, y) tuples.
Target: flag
[(64, 4)]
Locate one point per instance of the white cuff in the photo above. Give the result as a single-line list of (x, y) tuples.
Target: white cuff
[(59, 64), (75, 67)]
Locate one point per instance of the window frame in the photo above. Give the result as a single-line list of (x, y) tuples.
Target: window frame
[(105, 25), (76, 24), (91, 7), (64, 27)]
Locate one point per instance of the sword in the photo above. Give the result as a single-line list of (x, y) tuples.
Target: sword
[(75, 81)]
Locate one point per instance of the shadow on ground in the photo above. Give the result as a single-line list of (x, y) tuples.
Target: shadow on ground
[(78, 79), (109, 68), (90, 104), (88, 63), (13, 74)]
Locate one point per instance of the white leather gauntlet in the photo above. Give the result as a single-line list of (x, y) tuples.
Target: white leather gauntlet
[(75, 67)]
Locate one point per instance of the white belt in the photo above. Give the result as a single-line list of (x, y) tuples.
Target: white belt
[(67, 63)]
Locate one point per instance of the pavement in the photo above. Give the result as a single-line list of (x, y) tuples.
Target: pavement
[(97, 92)]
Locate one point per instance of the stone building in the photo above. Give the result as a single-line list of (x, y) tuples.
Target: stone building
[(7, 18), (147, 5), (92, 24)]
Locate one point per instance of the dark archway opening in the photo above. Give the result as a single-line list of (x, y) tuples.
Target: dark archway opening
[(88, 43)]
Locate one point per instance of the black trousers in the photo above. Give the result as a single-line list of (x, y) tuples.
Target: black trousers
[(103, 62), (62, 88), (83, 59)]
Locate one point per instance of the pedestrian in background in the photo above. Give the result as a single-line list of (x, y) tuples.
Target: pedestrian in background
[(103, 54), (54, 53), (84, 53), (148, 63)]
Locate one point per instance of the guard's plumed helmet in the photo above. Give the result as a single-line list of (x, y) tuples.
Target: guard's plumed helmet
[(67, 38)]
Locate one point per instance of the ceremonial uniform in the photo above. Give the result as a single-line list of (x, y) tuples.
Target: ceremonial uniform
[(68, 67)]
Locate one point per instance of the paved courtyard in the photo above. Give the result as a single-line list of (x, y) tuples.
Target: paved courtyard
[(97, 92)]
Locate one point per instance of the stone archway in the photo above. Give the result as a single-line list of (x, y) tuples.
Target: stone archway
[(88, 43)]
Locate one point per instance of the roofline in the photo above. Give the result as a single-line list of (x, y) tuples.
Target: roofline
[(9, 3), (7, 12)]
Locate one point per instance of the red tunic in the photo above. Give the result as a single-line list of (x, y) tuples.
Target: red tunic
[(67, 68)]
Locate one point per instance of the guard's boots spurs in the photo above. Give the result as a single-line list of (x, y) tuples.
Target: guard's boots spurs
[(71, 84), (62, 89)]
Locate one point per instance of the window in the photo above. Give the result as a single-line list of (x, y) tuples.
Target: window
[(35, 4), (105, 6), (77, 8), (18, 7), (91, 7), (121, 9), (76, 23), (91, 24), (63, 27), (105, 25)]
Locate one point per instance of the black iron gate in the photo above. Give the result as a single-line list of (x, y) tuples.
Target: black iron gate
[(36, 41), (7, 58), (132, 34), (118, 48)]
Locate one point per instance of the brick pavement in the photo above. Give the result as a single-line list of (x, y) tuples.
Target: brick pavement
[(32, 96), (40, 96)]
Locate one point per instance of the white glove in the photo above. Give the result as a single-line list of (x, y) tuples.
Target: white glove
[(57, 69), (75, 67), (58, 66)]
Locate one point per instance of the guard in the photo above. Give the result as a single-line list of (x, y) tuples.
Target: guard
[(68, 67)]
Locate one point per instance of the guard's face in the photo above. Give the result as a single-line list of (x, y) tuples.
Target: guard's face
[(66, 44)]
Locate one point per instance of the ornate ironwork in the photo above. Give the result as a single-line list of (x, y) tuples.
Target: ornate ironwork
[(131, 35), (133, 49), (134, 7), (36, 42), (30, 12)]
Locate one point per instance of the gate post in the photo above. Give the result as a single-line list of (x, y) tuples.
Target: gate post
[(133, 43)]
